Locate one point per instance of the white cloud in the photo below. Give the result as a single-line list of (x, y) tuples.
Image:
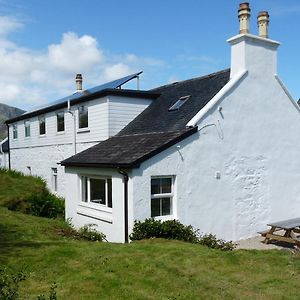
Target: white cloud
[(29, 78)]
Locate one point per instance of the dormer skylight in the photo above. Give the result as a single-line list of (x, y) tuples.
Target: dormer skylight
[(179, 103)]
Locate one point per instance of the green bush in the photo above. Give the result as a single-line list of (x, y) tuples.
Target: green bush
[(88, 232), (9, 284), (173, 229), (46, 205)]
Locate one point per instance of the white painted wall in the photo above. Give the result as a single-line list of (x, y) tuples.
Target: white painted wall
[(108, 221), (254, 145), (4, 158)]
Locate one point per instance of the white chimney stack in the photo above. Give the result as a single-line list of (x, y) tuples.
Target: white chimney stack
[(252, 53), (78, 83), (244, 17), (263, 24)]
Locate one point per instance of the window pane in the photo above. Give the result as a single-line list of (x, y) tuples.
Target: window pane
[(109, 192), (42, 126), (60, 121), (15, 131), (166, 185), (84, 189), (27, 129), (97, 190), (155, 207), (155, 186), (165, 206), (83, 117)]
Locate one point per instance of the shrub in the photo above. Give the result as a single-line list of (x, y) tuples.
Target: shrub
[(173, 229), (9, 284), (47, 205), (88, 232), (211, 241)]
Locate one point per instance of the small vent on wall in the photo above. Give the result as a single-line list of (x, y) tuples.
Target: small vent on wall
[(179, 103)]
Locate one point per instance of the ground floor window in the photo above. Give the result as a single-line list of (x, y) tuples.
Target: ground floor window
[(54, 179), (161, 196), (97, 190)]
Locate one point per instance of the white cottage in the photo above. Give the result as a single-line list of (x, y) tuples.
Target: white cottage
[(219, 152)]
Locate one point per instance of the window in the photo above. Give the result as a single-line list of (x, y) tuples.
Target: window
[(161, 196), (60, 119), (83, 117), (54, 179), (15, 131), (97, 190), (27, 128), (179, 103), (42, 125)]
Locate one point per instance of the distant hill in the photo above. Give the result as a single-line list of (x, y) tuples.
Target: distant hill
[(7, 112)]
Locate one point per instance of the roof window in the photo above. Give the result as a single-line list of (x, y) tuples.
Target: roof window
[(179, 103)]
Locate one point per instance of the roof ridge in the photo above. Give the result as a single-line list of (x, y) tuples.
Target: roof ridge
[(154, 132), (191, 79)]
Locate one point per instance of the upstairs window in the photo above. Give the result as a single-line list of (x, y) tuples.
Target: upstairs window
[(15, 131), (60, 119), (42, 125), (179, 103), (97, 190), (83, 117), (161, 196), (27, 128)]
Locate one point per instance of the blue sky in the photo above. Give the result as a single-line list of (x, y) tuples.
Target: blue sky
[(43, 44)]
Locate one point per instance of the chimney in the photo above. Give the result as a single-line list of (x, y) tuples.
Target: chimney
[(252, 53), (263, 24), (78, 83), (244, 17)]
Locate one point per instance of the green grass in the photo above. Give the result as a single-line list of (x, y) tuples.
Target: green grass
[(154, 269)]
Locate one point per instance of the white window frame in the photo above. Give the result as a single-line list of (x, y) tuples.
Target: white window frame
[(54, 179), (27, 133), (15, 131), (88, 191), (164, 195)]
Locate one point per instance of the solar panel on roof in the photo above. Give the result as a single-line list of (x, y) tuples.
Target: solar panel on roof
[(109, 85)]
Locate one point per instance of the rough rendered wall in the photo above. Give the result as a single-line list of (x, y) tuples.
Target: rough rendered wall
[(253, 145)]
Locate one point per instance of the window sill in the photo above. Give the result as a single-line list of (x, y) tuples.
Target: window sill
[(164, 218), (60, 132), (83, 130), (42, 135), (95, 211)]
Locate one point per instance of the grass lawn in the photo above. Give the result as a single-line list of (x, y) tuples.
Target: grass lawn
[(155, 269)]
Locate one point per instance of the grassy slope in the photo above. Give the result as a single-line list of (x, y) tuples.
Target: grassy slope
[(154, 269)]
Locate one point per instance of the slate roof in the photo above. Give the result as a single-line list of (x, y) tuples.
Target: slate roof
[(156, 128), (127, 151)]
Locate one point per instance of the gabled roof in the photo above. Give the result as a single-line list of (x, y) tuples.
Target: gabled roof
[(127, 151), (156, 128)]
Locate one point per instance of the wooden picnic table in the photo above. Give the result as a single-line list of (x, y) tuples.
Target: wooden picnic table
[(288, 229)]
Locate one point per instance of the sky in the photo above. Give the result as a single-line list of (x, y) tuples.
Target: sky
[(43, 44)]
